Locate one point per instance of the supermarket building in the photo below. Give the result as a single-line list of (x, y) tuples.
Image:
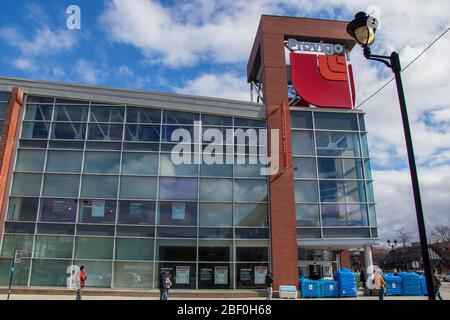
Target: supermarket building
[(87, 177)]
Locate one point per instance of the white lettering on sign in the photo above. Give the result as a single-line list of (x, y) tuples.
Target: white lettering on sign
[(327, 48)]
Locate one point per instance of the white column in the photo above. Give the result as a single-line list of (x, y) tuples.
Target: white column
[(368, 255)]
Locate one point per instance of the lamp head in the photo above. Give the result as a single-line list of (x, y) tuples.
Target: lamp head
[(362, 28)]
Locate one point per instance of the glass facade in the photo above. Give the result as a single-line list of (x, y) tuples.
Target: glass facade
[(333, 182), (4, 97), (94, 185)]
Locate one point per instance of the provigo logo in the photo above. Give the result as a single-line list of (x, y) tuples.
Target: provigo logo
[(323, 80)]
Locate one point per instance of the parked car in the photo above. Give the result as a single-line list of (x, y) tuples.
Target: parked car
[(446, 277)]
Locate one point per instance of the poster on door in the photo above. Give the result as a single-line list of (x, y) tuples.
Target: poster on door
[(182, 275), (260, 274), (221, 275), (178, 211)]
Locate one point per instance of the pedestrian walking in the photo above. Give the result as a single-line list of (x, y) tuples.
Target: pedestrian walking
[(380, 285), (362, 277), (437, 285), (269, 285), (167, 285), (80, 282), (161, 285)]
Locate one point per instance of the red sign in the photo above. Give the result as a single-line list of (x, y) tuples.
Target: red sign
[(323, 80)]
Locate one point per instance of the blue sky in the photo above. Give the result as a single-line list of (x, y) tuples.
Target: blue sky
[(201, 47)]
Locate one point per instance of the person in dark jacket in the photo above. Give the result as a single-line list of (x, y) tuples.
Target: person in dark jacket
[(437, 285), (161, 285), (269, 285), (362, 277)]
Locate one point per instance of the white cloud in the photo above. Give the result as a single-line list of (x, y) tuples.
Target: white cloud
[(86, 71), (225, 85)]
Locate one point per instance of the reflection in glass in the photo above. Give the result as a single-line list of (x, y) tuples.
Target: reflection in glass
[(137, 187), (304, 167), (143, 115), (35, 130), (58, 210), (133, 275), (30, 160), (251, 215), (93, 248), (177, 213), (68, 131), (306, 191), (341, 191), (64, 161), (216, 189), (335, 121), (250, 190), (301, 120), (27, 184), (134, 249), (307, 215), (71, 113), (339, 168), (344, 215), (337, 144), (137, 212), (139, 163), (99, 273), (101, 162), (107, 114), (216, 214), (169, 168), (38, 112), (105, 132), (13, 242), (99, 186), (50, 273), (97, 211), (22, 209), (60, 185), (53, 247), (302, 143), (140, 132), (178, 188)]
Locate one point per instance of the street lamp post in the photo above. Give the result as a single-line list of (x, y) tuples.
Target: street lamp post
[(393, 247), (362, 28)]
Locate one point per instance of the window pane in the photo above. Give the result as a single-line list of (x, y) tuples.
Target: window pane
[(216, 189), (178, 188), (308, 233), (4, 96), (211, 120), (241, 122), (302, 143), (247, 169), (137, 187), (64, 161), (341, 191), (344, 215), (338, 168), (139, 132), (97, 211), (102, 162), (306, 191), (105, 132), (38, 112), (50, 273), (216, 170), (307, 215), (176, 232), (53, 247), (304, 168), (137, 212), (175, 117), (35, 130), (99, 273), (370, 196), (246, 275), (59, 185), (30, 160), (216, 214), (250, 190), (13, 242), (99, 186), (21, 272), (107, 114), (68, 131), (337, 144), (51, 228), (143, 115), (135, 231), (346, 233), (139, 163), (27, 184), (19, 227), (169, 168), (133, 275), (252, 253), (215, 276), (372, 215), (177, 213), (214, 250), (134, 249), (71, 113), (176, 250), (252, 233), (367, 169), (22, 209), (251, 215), (335, 121), (362, 124), (58, 210), (95, 230), (173, 269), (215, 233), (94, 248), (301, 120), (187, 133)]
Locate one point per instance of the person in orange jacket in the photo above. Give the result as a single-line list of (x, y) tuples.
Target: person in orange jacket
[(81, 282)]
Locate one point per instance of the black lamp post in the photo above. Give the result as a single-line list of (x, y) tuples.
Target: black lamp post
[(363, 29)]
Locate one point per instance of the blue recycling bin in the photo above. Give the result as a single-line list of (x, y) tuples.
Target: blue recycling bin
[(346, 283), (394, 285), (411, 284), (310, 288), (423, 285), (329, 288)]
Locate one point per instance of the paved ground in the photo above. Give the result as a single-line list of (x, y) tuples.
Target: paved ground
[(445, 292)]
